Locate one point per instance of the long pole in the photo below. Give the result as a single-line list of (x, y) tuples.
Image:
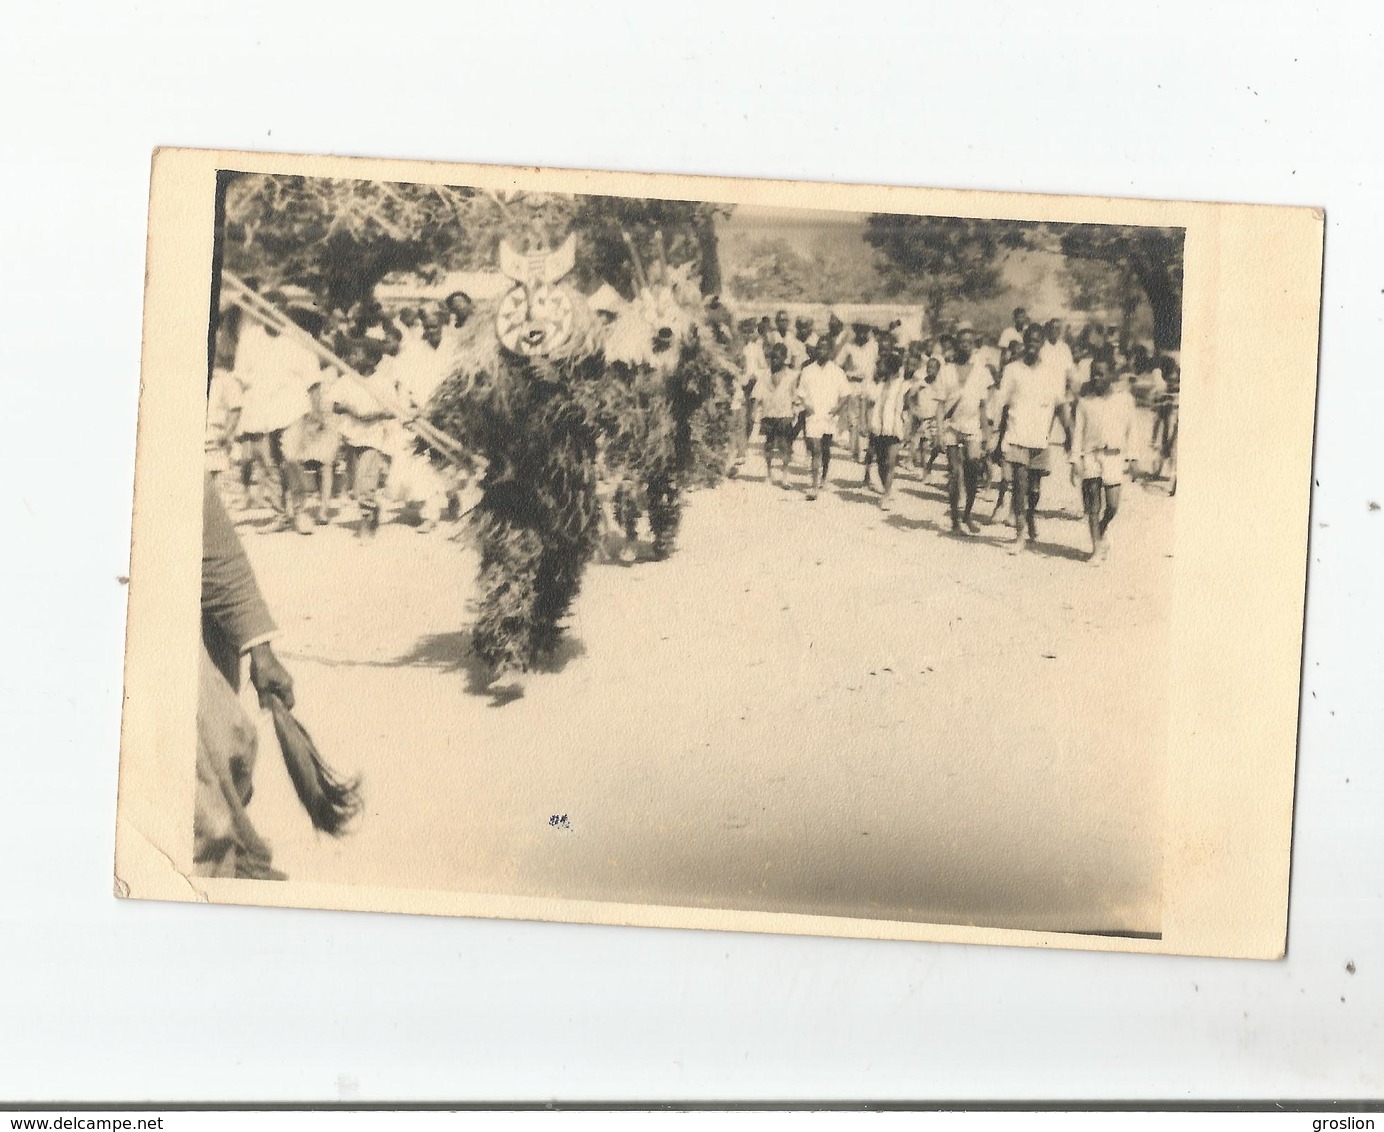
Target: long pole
[(269, 315)]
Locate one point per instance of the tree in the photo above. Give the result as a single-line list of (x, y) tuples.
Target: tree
[(1152, 257), (940, 259), (679, 231), (339, 237), (1097, 285)]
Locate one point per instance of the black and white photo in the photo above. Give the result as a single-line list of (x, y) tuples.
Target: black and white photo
[(675, 559)]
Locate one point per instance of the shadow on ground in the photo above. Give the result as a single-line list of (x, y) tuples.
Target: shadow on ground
[(453, 653)]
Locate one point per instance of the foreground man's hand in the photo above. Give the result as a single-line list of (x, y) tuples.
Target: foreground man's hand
[(269, 676)]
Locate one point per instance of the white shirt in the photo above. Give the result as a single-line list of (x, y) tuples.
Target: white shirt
[(821, 388), (1103, 424), (990, 358), (276, 374), (224, 397), (1031, 394), (1077, 379), (962, 395), (1011, 334), (1058, 354), (925, 396), (756, 365), (418, 368), (353, 404), (887, 416), (859, 361), (775, 392), (797, 351)]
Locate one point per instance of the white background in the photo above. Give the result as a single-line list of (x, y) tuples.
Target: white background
[(102, 999)]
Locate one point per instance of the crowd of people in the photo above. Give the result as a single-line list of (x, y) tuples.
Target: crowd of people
[(1012, 409), (313, 442)]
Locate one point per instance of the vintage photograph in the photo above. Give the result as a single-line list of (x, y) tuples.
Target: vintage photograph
[(654, 551), (716, 553)]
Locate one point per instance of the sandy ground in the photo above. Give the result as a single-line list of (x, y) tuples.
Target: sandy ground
[(812, 706)]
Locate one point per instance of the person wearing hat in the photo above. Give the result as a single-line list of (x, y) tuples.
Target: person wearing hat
[(858, 358)]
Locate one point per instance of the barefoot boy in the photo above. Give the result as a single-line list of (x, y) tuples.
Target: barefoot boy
[(1030, 397), (822, 392), (1100, 448), (777, 393), (964, 426)]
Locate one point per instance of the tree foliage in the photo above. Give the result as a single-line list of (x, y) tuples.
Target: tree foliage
[(942, 259), (936, 260), (678, 231), (1097, 285), (339, 237), (1151, 257)]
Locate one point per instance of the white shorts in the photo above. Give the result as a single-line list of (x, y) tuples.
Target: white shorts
[(972, 444), (1107, 465), (1035, 459)]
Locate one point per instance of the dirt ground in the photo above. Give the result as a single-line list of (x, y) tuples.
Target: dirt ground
[(812, 706)]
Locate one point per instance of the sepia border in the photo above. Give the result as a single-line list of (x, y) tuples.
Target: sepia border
[(1252, 283)]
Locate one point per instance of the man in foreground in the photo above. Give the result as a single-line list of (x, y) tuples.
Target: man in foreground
[(235, 623), (1030, 397)]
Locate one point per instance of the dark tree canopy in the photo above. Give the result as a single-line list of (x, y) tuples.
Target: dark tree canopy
[(338, 238), (1152, 257), (681, 231), (942, 259)]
